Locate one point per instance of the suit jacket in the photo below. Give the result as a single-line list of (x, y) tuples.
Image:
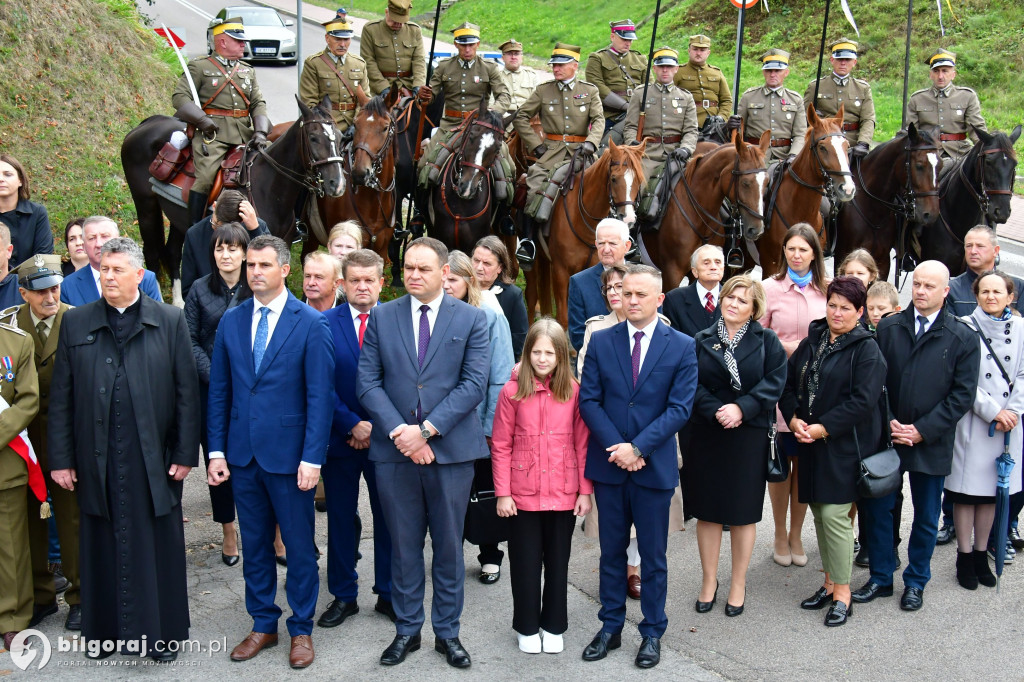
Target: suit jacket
[(647, 415), (79, 287), (281, 415), (163, 386), (44, 356), (585, 301), (347, 410), (448, 387), (687, 312)]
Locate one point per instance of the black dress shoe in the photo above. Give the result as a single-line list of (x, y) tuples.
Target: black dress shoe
[(399, 648), (602, 643), (733, 611), (453, 651), (856, 546), (385, 607), (489, 578), (60, 583), (100, 652), (163, 656), (837, 614), (39, 612), (818, 600), (649, 654), (706, 606), (912, 599), (320, 505), (946, 534), (336, 613), (74, 621), (871, 591), (229, 559), (862, 559)]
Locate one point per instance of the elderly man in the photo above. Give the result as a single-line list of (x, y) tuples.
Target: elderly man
[(9, 293), (335, 73), (611, 239), (705, 83), (83, 286), (618, 72), (954, 109), (695, 307), (773, 107), (933, 363), (393, 51), (124, 367), (321, 277), (570, 116), (841, 89), (228, 99)]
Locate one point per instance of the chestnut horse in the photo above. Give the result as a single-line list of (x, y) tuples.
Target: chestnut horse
[(735, 171)]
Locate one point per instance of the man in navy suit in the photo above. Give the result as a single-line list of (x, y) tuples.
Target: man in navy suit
[(585, 297), (423, 371), (270, 419), (82, 286), (348, 453), (634, 398)]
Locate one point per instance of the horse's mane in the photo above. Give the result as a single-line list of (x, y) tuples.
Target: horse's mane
[(747, 150), (376, 107), (491, 118)]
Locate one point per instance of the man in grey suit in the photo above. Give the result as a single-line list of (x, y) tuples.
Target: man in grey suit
[(423, 370)]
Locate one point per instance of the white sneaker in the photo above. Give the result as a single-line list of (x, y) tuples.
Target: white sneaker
[(529, 644), (553, 644)]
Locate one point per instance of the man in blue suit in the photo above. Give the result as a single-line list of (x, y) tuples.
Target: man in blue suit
[(423, 370), (348, 453), (585, 298), (271, 379), (634, 398), (82, 286)]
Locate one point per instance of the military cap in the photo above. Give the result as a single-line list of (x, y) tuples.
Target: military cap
[(232, 26), (466, 34), (341, 13), (39, 272), (625, 29), (844, 48), (700, 40), (563, 53), (398, 10), (511, 45), (338, 28), (666, 56), (775, 59), (941, 58)]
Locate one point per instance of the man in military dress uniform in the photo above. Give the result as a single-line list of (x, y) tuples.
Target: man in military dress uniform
[(854, 94), (336, 73), (618, 72), (954, 109), (393, 50), (520, 80), (229, 98), (571, 116), (705, 83), (775, 107)]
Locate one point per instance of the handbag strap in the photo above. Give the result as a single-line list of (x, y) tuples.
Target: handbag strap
[(988, 344), (884, 402)]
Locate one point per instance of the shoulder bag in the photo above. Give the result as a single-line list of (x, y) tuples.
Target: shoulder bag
[(879, 472), (778, 464)]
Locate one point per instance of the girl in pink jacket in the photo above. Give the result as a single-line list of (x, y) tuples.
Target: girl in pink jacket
[(538, 454)]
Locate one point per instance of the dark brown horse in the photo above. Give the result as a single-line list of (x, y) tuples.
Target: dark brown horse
[(735, 171), (896, 188)]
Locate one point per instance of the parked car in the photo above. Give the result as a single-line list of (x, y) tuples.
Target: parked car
[(267, 35)]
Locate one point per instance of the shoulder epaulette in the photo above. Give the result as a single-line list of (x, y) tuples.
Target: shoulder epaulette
[(712, 66), (12, 328), (595, 318), (581, 82), (918, 92), (964, 87), (413, 23), (7, 312), (756, 87), (862, 81)]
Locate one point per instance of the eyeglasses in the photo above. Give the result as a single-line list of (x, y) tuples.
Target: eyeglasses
[(613, 287)]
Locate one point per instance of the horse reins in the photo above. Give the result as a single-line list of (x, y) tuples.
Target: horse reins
[(452, 171), (311, 179)]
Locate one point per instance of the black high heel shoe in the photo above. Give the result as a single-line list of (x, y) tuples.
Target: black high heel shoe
[(228, 559), (706, 606)]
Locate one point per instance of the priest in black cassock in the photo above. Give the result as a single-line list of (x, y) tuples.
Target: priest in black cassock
[(124, 432)]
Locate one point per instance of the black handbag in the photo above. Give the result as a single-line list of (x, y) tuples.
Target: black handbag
[(778, 465), (880, 472), (483, 525)]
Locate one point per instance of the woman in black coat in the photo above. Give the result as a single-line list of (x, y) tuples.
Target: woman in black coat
[(833, 402), (28, 221), (492, 266), (742, 369), (208, 298)]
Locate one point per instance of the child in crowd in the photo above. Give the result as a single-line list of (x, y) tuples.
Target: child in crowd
[(882, 300), (538, 428)]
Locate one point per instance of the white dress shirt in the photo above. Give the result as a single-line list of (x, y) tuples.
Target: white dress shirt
[(927, 325), (702, 294), (645, 340), (356, 312), (435, 305), (96, 279)]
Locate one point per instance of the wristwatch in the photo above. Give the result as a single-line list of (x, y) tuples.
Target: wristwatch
[(425, 432), (636, 451)]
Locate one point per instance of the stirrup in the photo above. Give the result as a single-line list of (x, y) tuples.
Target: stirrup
[(526, 253), (301, 233), (633, 255), (735, 258)]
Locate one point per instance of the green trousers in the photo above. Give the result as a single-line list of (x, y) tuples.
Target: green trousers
[(835, 539), (65, 512), (15, 561)]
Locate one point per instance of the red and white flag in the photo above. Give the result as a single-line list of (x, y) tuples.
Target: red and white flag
[(36, 480)]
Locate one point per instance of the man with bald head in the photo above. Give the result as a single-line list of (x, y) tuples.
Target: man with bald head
[(585, 298), (932, 378)]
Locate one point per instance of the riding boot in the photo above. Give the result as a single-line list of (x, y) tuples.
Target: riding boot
[(526, 253), (633, 255), (506, 225), (197, 206), (417, 225)]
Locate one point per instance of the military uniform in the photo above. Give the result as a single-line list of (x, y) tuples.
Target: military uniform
[(670, 119), (520, 84), (781, 111), (393, 56), (320, 76), (709, 89), (464, 85), (621, 74), (954, 110), (858, 106)]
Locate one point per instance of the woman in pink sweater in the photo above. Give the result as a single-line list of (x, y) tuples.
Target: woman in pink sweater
[(539, 451)]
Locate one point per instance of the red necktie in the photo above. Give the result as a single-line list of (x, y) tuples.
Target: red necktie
[(710, 305), (362, 326)]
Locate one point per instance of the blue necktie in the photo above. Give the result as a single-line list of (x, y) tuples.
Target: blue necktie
[(259, 344)]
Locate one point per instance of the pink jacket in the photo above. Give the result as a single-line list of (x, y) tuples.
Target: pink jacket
[(539, 449)]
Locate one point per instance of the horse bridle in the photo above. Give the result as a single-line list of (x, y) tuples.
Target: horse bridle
[(452, 173), (311, 179), (736, 207), (906, 202), (376, 159), (460, 157), (982, 198)]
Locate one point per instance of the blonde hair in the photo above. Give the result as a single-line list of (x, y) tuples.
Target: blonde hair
[(882, 289), (347, 228), (561, 377), (460, 264), (756, 292)]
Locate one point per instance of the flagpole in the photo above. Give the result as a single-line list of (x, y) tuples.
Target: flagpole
[(906, 62), (821, 51), (739, 58), (647, 77)]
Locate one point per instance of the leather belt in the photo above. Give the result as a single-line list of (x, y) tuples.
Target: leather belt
[(669, 139), (783, 142), (452, 113), (230, 113), (396, 74), (952, 137), (346, 106), (566, 138), (706, 103), (847, 127)]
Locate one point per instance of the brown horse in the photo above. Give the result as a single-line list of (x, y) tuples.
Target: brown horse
[(796, 198), (735, 171), (610, 184)]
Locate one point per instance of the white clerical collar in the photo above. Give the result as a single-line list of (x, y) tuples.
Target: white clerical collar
[(134, 301)]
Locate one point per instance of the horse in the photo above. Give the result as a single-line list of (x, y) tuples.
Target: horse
[(611, 183), (896, 187), (734, 171), (306, 156), (797, 188), (975, 190)]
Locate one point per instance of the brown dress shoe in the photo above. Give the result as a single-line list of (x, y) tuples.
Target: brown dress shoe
[(633, 586), (252, 645), (8, 638), (302, 651)]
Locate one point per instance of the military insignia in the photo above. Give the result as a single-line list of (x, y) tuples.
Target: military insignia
[(675, 102), (784, 102), (8, 365), (214, 82), (856, 102), (679, 110), (580, 96), (476, 79), (788, 116), (39, 262), (583, 108)]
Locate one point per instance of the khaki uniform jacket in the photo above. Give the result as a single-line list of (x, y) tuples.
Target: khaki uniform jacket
[(520, 84), (20, 388), (465, 85), (319, 79), (574, 110), (670, 111), (954, 110), (858, 105), (393, 52), (611, 72), (780, 111), (44, 354), (208, 79), (709, 88)]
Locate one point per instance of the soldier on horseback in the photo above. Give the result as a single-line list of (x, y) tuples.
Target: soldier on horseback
[(618, 72), (393, 50), (840, 88), (705, 83), (337, 73), (954, 109), (774, 107)]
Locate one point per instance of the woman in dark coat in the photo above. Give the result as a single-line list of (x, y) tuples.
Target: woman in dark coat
[(492, 266), (742, 369), (29, 221), (208, 298), (832, 400)]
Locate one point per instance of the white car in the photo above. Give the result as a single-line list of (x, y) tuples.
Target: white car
[(267, 35)]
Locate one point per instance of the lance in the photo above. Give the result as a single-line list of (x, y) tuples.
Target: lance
[(906, 62), (821, 52), (188, 76), (647, 77), (739, 58), (430, 71)]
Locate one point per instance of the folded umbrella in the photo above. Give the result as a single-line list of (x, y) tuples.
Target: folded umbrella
[(1004, 465)]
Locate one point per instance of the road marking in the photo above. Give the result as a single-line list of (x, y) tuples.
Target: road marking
[(200, 12)]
